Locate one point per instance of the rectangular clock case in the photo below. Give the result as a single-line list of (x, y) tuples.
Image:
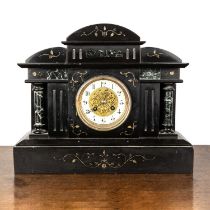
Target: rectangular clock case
[(146, 142)]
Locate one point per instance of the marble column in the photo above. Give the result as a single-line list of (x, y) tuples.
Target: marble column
[(38, 108), (168, 110)]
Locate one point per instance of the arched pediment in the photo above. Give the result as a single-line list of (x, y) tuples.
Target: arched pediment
[(152, 54), (103, 32), (50, 55)]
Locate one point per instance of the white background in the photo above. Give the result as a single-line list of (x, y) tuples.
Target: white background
[(181, 27)]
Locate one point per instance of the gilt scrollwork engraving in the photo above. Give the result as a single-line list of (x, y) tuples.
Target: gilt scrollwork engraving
[(104, 160), (131, 77), (129, 129), (154, 53), (57, 74), (76, 129), (77, 77), (50, 55), (104, 32)]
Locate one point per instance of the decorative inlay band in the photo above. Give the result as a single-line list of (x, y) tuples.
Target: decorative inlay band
[(104, 32), (104, 160)]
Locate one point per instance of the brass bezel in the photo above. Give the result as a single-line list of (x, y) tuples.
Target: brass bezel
[(103, 127)]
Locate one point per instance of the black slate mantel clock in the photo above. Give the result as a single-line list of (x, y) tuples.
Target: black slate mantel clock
[(104, 104)]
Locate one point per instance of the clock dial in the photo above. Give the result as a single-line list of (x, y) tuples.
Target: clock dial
[(103, 103)]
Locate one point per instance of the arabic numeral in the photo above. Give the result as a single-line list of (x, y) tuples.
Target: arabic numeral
[(87, 111), (119, 93), (103, 83), (87, 93), (85, 102), (103, 120), (113, 118), (93, 86)]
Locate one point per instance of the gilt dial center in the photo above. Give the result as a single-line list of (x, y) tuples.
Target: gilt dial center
[(102, 100)]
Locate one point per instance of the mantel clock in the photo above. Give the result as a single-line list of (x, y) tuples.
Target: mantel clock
[(103, 104)]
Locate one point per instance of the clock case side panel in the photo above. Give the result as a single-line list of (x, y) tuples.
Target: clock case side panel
[(129, 129), (58, 109), (149, 109)]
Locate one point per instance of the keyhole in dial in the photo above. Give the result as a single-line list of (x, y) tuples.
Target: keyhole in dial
[(112, 108), (94, 109)]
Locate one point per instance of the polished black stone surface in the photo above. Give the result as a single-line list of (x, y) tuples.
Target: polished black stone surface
[(60, 142), (161, 155)]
